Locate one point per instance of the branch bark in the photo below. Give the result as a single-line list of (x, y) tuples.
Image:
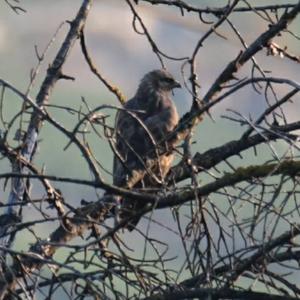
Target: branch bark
[(99, 211), (54, 73)]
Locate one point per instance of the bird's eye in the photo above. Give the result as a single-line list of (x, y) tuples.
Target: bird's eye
[(169, 80)]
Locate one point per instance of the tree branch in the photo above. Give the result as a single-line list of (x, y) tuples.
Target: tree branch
[(205, 293), (217, 11), (212, 157)]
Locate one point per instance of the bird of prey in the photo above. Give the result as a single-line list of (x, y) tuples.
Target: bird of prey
[(141, 156)]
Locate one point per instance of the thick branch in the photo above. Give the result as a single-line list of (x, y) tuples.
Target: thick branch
[(100, 210), (219, 10), (212, 157), (290, 168), (192, 118), (203, 293), (53, 74), (261, 42), (267, 259)]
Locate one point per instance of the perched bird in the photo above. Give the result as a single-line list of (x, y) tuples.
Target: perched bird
[(141, 157)]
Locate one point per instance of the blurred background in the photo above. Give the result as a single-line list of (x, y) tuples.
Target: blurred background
[(123, 57)]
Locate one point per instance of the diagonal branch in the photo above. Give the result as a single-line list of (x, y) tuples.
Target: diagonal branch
[(98, 211), (54, 73), (218, 10), (290, 168), (192, 118), (210, 293), (261, 42), (112, 88), (213, 156)]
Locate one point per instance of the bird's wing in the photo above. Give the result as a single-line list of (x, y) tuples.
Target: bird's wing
[(137, 138), (157, 157), (162, 123), (124, 131), (129, 144)]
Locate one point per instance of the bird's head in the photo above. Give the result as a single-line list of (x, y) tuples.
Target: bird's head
[(160, 80)]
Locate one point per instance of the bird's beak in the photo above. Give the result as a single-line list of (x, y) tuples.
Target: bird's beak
[(176, 85)]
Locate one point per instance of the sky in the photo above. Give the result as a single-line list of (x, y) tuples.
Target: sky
[(123, 57)]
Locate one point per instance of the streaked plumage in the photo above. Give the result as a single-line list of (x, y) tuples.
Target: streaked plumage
[(147, 119)]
